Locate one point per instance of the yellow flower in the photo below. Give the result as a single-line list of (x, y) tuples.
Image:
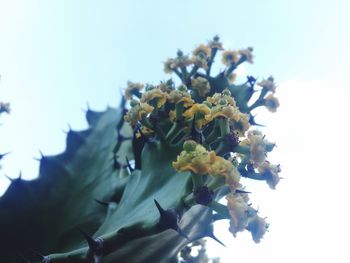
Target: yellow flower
[(137, 112), (172, 115), (132, 88), (232, 179), (200, 62), (166, 86), (196, 159), (270, 172), (201, 111), (178, 95), (169, 65), (237, 207), (271, 103), (232, 78), (247, 54), (215, 43), (268, 84), (201, 85), (155, 93), (215, 99), (242, 125), (229, 57), (257, 227), (145, 131), (227, 111), (181, 60), (259, 147), (220, 167), (202, 51)]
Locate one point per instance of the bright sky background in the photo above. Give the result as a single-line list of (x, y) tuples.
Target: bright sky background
[(57, 56)]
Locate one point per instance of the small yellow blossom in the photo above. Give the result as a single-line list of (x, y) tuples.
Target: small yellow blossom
[(270, 172), (201, 85), (165, 87), (196, 159), (268, 84), (169, 65), (232, 78), (247, 54), (181, 61), (229, 57), (220, 167), (271, 103), (202, 113), (237, 207), (172, 115), (202, 51), (215, 99), (227, 111), (145, 131), (200, 62), (232, 179), (179, 95), (215, 43), (242, 125), (223, 167), (155, 93), (259, 147), (257, 226), (132, 88), (136, 113)]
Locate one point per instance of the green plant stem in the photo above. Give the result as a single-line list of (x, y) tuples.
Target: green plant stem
[(220, 208)]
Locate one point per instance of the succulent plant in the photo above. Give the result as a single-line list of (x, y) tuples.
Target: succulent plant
[(144, 181)]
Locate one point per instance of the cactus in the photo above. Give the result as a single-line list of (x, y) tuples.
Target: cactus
[(141, 184)]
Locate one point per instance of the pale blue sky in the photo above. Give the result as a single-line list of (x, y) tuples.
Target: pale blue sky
[(55, 56)]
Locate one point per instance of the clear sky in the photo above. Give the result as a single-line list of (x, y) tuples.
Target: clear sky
[(57, 56)]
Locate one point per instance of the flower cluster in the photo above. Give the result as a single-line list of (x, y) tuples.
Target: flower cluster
[(208, 121)]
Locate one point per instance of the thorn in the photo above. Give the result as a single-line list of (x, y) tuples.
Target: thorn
[(41, 154), (91, 242), (239, 191), (10, 178), (253, 122), (129, 165), (160, 209), (2, 155), (169, 219), (69, 127), (102, 203), (95, 246), (44, 259), (211, 235), (88, 106)]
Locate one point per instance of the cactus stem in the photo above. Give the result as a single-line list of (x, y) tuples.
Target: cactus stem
[(217, 217)]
